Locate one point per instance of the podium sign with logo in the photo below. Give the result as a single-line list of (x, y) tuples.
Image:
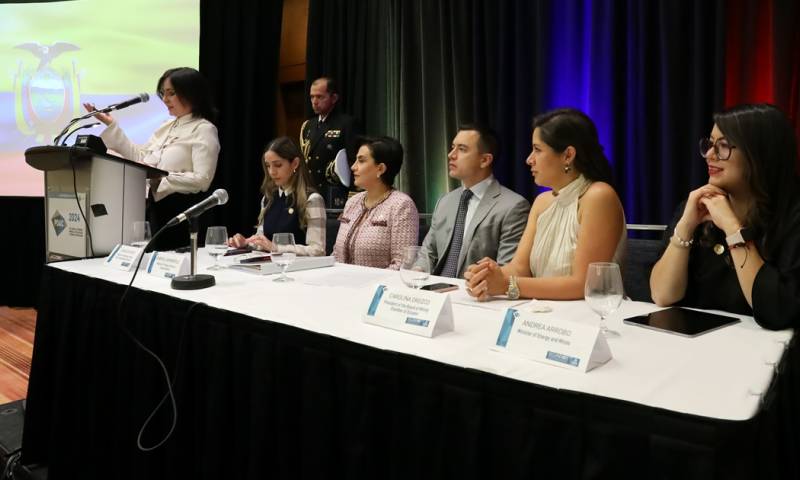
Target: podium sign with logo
[(66, 230)]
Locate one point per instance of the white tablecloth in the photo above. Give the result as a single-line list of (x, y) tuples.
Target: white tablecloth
[(722, 374)]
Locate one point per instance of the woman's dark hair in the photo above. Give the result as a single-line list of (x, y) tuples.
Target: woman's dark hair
[(385, 150), (566, 127), (766, 138), (192, 88)]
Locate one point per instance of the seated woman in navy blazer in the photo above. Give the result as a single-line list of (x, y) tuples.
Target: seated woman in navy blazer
[(290, 204)]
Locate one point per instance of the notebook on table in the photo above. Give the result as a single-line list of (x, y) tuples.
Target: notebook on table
[(267, 267)]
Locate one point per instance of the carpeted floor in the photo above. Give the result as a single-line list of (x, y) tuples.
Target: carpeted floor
[(16, 346)]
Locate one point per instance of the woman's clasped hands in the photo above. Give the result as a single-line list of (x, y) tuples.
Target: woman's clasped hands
[(485, 279), (710, 203)]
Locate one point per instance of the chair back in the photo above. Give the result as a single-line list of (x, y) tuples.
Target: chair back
[(640, 257)]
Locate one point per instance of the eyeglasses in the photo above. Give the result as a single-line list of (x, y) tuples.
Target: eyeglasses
[(721, 147), (165, 93)]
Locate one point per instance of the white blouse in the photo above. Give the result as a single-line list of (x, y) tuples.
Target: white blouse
[(187, 147), (557, 234)]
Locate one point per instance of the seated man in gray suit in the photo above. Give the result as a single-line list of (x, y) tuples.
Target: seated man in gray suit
[(481, 218)]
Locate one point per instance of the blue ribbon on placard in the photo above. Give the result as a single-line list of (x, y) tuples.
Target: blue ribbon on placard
[(152, 262), (376, 299), (113, 252), (505, 330)]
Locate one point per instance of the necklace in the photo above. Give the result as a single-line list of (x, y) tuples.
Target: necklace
[(380, 200)]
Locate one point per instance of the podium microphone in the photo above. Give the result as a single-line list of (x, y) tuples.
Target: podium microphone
[(141, 98), (219, 197)]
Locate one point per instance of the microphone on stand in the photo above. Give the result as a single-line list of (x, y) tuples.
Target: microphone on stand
[(141, 98), (219, 197), (195, 281)]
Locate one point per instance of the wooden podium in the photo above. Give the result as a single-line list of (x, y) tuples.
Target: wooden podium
[(83, 186)]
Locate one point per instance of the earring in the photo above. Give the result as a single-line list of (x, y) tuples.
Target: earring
[(294, 171), (567, 168)]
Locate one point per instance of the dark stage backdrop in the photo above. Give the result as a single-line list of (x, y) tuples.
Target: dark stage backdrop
[(239, 53), (649, 73)]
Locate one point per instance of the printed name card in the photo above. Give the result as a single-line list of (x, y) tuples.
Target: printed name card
[(123, 257), (412, 311), (560, 342), (168, 264)]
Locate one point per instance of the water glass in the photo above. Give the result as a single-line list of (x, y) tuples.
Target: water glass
[(603, 292), (216, 244), (282, 258), (414, 268), (141, 234)]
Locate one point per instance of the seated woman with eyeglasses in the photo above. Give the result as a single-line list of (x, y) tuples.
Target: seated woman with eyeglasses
[(289, 205), (380, 222), (734, 245)]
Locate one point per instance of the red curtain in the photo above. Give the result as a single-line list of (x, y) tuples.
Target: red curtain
[(762, 54)]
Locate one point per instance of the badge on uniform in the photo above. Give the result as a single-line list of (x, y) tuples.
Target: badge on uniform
[(333, 134)]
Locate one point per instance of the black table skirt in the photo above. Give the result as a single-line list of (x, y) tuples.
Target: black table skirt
[(23, 247), (258, 399)]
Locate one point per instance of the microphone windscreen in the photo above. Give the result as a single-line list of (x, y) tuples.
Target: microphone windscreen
[(145, 97), (222, 196)]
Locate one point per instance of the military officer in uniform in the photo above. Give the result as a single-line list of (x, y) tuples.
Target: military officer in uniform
[(322, 137)]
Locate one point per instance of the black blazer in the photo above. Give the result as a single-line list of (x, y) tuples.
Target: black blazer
[(324, 140)]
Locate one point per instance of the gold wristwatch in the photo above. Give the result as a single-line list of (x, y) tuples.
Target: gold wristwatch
[(513, 289)]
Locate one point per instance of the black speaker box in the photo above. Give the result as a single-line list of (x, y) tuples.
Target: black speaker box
[(12, 416)]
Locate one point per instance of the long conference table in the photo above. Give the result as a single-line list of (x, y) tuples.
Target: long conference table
[(285, 380)]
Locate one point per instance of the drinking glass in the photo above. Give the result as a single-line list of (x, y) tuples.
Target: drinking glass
[(414, 270), (603, 292), (216, 244), (141, 234), (283, 259)]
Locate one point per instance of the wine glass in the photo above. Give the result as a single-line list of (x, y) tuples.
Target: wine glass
[(603, 292), (216, 244), (414, 269), (141, 234), (283, 258)]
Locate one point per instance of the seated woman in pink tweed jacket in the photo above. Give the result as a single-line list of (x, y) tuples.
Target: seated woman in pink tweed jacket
[(378, 223)]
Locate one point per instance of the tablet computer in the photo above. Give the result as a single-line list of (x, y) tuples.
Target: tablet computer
[(682, 321)]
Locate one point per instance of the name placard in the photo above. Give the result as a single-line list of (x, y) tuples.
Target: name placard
[(559, 342), (123, 257), (168, 264), (408, 310)]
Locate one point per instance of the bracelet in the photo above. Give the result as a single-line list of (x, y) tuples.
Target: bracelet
[(679, 242)]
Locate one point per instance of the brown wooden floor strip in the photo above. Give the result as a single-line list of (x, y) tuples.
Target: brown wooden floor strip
[(19, 321), (17, 326)]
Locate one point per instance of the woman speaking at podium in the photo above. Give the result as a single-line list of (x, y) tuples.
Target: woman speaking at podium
[(187, 147)]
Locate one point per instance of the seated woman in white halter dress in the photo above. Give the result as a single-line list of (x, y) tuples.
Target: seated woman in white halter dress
[(578, 222)]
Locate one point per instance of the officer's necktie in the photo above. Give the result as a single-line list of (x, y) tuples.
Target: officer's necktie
[(450, 267)]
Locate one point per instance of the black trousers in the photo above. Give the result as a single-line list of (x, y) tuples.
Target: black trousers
[(160, 212)]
